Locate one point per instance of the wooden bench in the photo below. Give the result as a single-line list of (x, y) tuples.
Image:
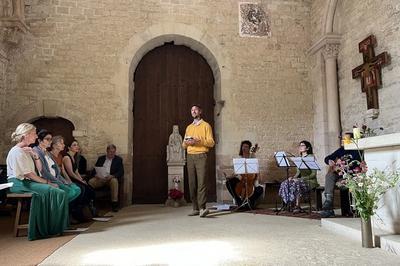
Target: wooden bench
[(19, 197)]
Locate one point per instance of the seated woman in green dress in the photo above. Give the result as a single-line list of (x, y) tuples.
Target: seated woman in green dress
[(299, 185), (49, 205)]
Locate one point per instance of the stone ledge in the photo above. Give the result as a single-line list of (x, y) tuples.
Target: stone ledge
[(388, 140), (351, 228)]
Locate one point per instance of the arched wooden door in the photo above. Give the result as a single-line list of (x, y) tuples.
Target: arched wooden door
[(168, 80), (57, 126)]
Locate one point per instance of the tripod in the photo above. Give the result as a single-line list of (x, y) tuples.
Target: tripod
[(245, 167), (282, 161), (285, 206), (246, 200), (306, 163)]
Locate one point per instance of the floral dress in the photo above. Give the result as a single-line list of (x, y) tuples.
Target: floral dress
[(291, 189)]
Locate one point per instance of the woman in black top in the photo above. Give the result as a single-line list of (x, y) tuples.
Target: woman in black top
[(87, 193)]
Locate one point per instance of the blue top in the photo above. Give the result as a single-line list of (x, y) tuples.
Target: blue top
[(46, 174), (341, 153)]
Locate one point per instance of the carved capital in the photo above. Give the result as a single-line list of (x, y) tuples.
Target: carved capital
[(372, 113), (330, 50)]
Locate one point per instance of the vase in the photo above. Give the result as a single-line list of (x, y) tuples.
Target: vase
[(366, 233), (356, 133)]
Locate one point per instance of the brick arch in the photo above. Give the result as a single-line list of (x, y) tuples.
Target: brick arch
[(48, 108)]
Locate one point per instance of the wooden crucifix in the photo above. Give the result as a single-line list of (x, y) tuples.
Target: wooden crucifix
[(370, 70)]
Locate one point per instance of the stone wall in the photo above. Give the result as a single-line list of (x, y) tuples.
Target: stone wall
[(78, 59), (356, 20), (353, 22), (3, 67)]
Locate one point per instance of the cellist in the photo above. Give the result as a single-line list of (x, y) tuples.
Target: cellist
[(233, 182)]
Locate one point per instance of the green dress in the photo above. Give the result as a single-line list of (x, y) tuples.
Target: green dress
[(49, 205)]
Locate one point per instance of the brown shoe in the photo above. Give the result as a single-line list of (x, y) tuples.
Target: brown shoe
[(194, 213)]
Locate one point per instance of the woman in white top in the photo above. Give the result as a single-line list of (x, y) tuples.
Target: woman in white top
[(49, 205)]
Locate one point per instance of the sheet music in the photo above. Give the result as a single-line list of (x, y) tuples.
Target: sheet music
[(252, 166), (298, 162), (240, 165), (311, 162), (307, 162), (6, 185), (101, 172), (101, 219), (281, 159)]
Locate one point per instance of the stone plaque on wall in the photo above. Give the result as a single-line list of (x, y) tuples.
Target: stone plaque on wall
[(253, 21)]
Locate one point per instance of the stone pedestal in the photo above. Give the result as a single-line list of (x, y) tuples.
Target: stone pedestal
[(175, 172), (176, 161), (383, 153)]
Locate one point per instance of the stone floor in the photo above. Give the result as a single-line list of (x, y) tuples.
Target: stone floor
[(158, 235), (351, 228)]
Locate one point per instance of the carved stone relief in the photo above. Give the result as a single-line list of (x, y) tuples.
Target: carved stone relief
[(253, 21), (7, 8), (12, 21)]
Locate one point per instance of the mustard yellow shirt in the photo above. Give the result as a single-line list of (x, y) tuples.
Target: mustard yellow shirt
[(201, 130)]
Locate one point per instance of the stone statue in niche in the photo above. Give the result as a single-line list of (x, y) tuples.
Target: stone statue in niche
[(175, 152), (7, 9), (253, 21)]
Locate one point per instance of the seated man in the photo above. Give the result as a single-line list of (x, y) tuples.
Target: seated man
[(114, 170), (334, 176)]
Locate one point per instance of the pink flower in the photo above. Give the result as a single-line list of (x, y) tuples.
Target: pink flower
[(357, 170), (175, 194), (364, 167)]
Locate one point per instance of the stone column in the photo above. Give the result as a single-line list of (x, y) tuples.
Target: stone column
[(330, 52)]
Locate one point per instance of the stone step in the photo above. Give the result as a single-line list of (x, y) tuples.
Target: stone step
[(351, 228)]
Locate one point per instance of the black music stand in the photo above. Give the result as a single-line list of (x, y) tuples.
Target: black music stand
[(245, 166), (307, 162), (281, 159)]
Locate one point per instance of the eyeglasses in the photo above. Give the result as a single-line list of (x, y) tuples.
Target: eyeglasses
[(302, 145)]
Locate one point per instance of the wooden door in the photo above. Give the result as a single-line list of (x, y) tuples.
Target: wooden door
[(57, 126), (168, 80)]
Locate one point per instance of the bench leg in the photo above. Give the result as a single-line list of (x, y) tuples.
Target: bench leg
[(17, 217)]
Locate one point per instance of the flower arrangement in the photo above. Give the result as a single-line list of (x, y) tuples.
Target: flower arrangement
[(175, 193), (365, 131), (366, 188)]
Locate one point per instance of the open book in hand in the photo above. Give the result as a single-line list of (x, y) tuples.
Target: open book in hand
[(101, 172)]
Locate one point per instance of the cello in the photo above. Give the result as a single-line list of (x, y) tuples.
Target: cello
[(245, 187)]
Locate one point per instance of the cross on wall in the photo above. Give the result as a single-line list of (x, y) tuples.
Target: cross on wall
[(370, 70)]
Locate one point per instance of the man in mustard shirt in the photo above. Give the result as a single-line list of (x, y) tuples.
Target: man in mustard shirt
[(198, 140)]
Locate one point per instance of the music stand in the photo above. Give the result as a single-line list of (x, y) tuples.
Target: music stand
[(244, 166), (281, 159), (307, 162)]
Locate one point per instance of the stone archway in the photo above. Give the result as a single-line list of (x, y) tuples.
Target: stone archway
[(154, 36), (48, 108)]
